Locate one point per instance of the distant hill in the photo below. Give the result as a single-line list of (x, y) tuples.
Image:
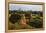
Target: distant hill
[(20, 11)]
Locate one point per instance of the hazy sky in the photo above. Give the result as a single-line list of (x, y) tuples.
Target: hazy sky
[(25, 7)]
